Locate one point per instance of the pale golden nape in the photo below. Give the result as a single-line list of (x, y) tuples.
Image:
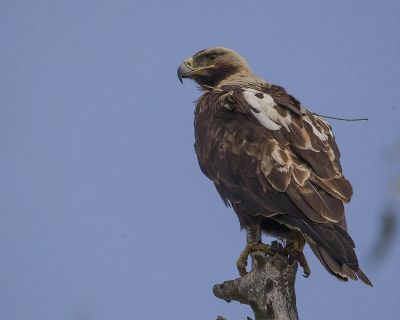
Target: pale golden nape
[(227, 56), (229, 68)]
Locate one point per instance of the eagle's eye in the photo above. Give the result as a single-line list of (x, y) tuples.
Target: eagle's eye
[(211, 57)]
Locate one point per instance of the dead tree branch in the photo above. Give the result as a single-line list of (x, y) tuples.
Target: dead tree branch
[(268, 288)]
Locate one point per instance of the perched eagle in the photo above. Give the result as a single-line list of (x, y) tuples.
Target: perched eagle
[(275, 162)]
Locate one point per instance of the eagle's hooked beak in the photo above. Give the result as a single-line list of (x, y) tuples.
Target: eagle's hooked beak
[(186, 69)]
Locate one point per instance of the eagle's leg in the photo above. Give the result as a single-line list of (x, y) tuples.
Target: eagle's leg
[(253, 235), (294, 248)]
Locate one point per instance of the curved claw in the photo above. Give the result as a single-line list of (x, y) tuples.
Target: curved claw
[(296, 253), (303, 263), (242, 270), (250, 247), (291, 246)]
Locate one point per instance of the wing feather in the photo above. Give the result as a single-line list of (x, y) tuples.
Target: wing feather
[(289, 171), (302, 153)]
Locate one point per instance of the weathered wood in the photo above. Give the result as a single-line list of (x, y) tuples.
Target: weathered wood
[(268, 288)]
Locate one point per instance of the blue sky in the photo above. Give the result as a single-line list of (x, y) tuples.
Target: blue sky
[(104, 211)]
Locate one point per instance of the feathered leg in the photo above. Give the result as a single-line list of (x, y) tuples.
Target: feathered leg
[(295, 243), (253, 235)]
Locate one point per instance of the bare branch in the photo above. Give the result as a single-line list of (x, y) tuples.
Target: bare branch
[(268, 288)]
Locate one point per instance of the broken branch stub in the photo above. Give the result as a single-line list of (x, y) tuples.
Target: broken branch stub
[(268, 288)]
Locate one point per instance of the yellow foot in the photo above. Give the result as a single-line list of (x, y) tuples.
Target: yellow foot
[(295, 252), (250, 247)]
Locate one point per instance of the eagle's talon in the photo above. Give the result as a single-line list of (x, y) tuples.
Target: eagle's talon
[(301, 259), (275, 250), (291, 246), (251, 247), (242, 270), (306, 269), (276, 245)]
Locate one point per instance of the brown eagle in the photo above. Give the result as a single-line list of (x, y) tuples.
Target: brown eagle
[(275, 162)]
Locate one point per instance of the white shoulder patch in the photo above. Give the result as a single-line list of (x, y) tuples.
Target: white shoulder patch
[(268, 116), (321, 135)]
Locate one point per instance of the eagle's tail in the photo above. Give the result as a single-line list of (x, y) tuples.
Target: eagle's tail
[(341, 271), (332, 245)]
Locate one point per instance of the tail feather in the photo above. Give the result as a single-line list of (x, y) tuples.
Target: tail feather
[(351, 258), (332, 267), (341, 271), (363, 278)]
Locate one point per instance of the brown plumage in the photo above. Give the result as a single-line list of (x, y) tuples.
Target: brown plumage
[(275, 164)]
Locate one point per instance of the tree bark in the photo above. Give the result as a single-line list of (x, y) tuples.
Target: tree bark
[(268, 288)]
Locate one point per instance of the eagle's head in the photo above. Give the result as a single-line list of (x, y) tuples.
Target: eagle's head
[(211, 66)]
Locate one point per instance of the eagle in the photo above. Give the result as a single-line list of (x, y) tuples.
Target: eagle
[(273, 161)]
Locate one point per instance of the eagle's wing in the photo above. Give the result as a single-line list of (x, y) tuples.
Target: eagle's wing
[(264, 152)]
